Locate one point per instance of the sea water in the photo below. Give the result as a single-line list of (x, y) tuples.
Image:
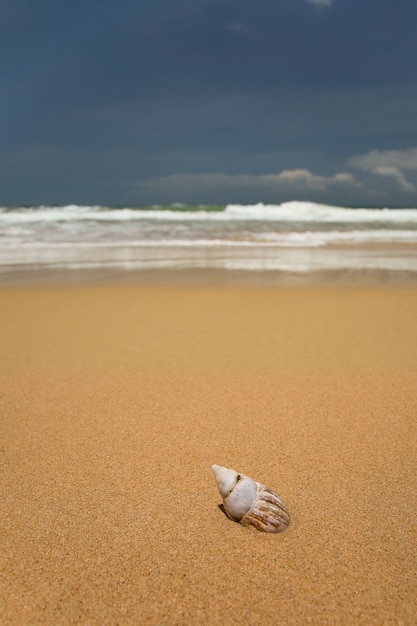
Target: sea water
[(291, 237)]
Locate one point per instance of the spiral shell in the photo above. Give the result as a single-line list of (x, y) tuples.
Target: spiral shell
[(249, 502)]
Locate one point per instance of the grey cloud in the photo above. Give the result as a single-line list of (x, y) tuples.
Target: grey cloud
[(397, 175), (403, 159), (390, 163)]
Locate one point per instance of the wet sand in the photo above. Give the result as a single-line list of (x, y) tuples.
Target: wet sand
[(116, 400)]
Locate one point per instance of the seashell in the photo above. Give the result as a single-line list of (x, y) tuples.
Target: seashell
[(249, 502)]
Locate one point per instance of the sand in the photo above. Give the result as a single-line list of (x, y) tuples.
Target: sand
[(116, 400)]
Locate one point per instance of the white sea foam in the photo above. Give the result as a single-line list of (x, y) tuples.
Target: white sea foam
[(285, 212), (306, 239), (312, 212)]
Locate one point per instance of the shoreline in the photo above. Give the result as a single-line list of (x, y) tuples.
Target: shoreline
[(339, 264), (89, 276)]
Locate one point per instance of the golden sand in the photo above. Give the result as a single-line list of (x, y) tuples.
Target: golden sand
[(116, 400)]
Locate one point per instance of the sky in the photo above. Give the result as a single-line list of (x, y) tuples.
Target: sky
[(131, 102)]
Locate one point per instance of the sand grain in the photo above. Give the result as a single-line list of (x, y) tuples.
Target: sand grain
[(115, 401)]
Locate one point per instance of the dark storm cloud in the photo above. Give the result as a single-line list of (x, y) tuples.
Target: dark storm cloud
[(100, 97), (122, 51)]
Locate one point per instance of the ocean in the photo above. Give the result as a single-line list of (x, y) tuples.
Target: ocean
[(292, 237)]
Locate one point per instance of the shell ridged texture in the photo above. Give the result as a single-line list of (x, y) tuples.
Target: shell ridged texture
[(268, 513)]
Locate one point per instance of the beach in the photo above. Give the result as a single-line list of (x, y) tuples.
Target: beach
[(116, 399)]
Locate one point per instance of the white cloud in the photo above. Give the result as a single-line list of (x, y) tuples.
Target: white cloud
[(320, 3), (304, 179), (389, 163), (296, 181)]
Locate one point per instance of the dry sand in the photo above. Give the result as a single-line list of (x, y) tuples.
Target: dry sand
[(116, 400)]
